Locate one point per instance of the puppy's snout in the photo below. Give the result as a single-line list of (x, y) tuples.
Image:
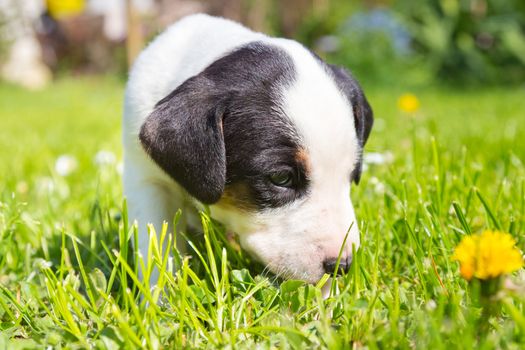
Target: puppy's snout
[(344, 265)]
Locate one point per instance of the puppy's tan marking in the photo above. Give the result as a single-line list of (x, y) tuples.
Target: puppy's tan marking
[(303, 159), (237, 197)]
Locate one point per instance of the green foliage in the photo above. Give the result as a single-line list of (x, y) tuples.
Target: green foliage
[(453, 41), (471, 41), (66, 274), (364, 55)]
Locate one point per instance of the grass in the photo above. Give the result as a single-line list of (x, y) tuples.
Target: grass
[(66, 274)]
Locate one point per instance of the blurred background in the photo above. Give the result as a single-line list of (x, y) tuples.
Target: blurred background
[(392, 42)]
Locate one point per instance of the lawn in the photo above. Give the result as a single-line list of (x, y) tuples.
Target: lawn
[(67, 278)]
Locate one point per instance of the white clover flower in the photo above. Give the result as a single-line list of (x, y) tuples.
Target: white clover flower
[(104, 157), (65, 165)]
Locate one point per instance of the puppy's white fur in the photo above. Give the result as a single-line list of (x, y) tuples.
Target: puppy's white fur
[(292, 240)]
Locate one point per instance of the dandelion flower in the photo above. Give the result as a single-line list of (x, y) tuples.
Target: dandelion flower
[(408, 103), (487, 255)]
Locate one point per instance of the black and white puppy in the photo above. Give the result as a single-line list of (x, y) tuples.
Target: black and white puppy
[(258, 128)]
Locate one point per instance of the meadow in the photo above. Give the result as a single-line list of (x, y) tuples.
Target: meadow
[(452, 167)]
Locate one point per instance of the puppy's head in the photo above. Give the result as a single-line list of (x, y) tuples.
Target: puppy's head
[(271, 137)]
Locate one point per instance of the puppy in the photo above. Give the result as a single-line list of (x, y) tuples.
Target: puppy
[(260, 129)]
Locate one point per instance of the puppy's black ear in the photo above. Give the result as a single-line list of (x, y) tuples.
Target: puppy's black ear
[(363, 115), (184, 136)]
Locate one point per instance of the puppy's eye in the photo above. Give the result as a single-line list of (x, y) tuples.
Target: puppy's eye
[(282, 179)]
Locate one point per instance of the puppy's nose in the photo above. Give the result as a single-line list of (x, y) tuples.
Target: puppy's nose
[(344, 265)]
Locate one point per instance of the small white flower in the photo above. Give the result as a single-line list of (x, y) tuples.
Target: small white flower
[(105, 158), (431, 305), (65, 165), (378, 158), (43, 264), (378, 186)]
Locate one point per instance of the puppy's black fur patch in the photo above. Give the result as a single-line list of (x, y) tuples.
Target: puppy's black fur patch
[(226, 126), (260, 139), (183, 136)]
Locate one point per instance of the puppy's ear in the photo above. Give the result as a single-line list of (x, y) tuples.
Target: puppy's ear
[(363, 115), (184, 136)]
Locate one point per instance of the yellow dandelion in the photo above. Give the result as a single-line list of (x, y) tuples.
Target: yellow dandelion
[(65, 8), (487, 255), (408, 103)]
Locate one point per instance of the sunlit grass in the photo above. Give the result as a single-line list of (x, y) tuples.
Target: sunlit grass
[(68, 273)]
